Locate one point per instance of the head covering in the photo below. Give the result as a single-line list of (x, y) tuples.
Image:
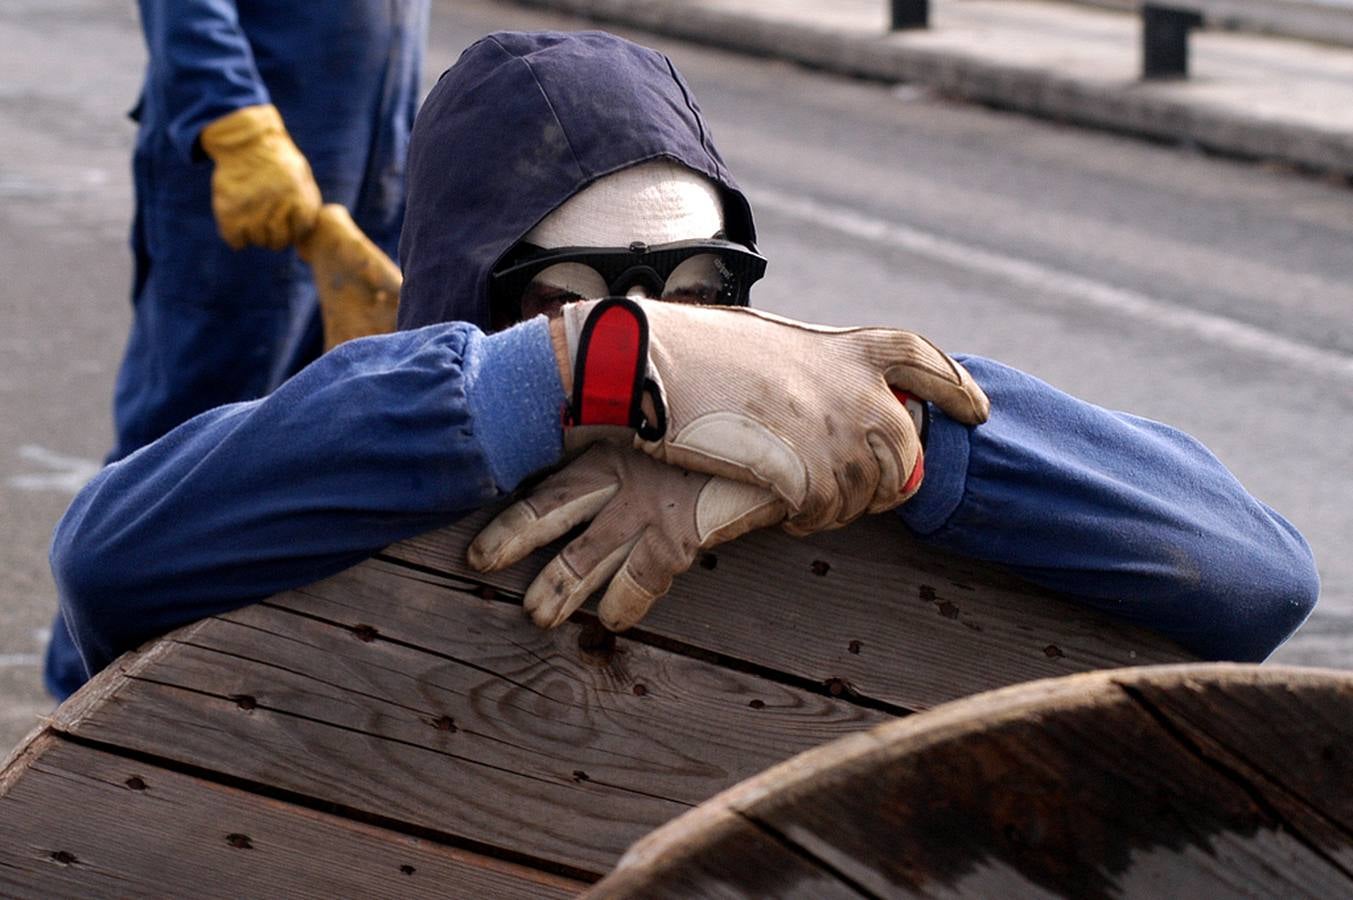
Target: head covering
[(656, 202), (522, 122)]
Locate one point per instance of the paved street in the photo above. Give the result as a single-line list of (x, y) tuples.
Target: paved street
[(1210, 294)]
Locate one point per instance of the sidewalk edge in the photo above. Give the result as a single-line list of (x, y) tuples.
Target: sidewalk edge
[(1132, 107)]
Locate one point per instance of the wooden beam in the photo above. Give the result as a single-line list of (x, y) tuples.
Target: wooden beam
[(81, 822)]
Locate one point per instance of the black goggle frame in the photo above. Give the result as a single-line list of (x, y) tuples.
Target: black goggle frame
[(622, 267)]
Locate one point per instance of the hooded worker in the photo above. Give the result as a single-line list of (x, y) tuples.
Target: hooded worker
[(547, 170)]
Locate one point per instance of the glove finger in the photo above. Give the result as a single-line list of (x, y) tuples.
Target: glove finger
[(569, 579), (724, 510), (900, 470), (228, 226), (299, 220), (924, 371), (275, 231), (529, 524), (646, 575)]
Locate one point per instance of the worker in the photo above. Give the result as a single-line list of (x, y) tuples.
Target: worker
[(253, 114), (547, 170)]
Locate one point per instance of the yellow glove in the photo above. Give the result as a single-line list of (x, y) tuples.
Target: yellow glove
[(262, 191), (358, 284)]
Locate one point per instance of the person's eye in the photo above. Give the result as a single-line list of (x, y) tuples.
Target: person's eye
[(573, 278), (697, 294), (695, 280), (544, 299)]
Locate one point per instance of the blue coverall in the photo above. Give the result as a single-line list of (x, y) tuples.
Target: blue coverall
[(213, 325)]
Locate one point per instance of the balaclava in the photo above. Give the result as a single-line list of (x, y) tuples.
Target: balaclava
[(656, 202)]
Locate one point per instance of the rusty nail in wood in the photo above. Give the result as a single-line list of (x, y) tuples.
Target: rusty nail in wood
[(244, 701), (64, 857), (239, 841), (135, 783), (364, 633), (854, 647), (757, 704), (820, 567)]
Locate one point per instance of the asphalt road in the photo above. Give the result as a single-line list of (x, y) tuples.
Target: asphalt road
[(1213, 295)]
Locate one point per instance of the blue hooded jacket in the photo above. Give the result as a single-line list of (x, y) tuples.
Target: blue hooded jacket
[(389, 436)]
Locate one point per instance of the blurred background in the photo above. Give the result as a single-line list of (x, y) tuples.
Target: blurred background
[(1203, 289)]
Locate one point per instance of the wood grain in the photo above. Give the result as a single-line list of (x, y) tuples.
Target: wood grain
[(865, 608), (1071, 787), (81, 822), (454, 713)]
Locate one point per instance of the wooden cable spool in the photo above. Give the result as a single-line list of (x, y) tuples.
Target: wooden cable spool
[(402, 729)]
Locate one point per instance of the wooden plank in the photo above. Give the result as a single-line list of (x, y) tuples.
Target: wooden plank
[(80, 822), (865, 608), (722, 871), (1069, 787), (386, 694), (1290, 737)]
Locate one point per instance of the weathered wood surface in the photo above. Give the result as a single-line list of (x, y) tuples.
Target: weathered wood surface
[(866, 609), (455, 714), (410, 698), (81, 822), (1178, 781)]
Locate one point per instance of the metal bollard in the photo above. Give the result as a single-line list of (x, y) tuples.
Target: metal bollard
[(910, 14), (1165, 41)]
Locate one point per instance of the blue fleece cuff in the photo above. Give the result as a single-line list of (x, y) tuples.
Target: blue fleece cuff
[(515, 396), (946, 475)]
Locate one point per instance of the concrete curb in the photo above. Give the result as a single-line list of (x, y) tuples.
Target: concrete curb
[(1133, 108)]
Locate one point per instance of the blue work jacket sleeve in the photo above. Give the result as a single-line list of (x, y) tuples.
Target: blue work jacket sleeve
[(1134, 517), (378, 440), (201, 61)]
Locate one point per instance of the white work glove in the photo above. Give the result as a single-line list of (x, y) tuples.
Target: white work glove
[(649, 520), (807, 411)]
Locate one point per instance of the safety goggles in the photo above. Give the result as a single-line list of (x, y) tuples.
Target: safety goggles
[(707, 271)]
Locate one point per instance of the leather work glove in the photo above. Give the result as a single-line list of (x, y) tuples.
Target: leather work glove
[(649, 520), (805, 410), (262, 190), (358, 284)]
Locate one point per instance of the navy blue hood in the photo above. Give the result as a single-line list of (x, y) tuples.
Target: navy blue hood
[(519, 124)]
